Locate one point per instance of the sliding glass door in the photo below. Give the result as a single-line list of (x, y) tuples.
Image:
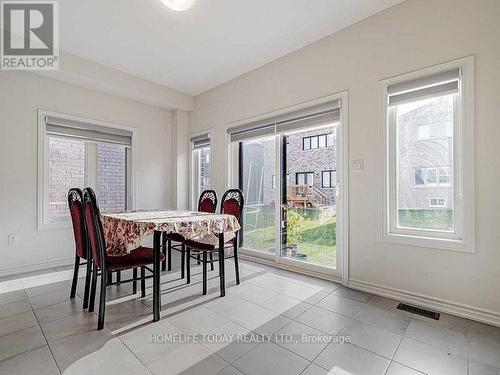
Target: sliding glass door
[(308, 201), (257, 179), (291, 180)]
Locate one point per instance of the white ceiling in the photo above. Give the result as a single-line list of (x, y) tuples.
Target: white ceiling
[(211, 43)]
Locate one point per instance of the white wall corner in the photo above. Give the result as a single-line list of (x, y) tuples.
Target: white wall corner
[(180, 159)]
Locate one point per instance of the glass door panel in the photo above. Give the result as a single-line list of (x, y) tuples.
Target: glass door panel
[(257, 179), (308, 196)]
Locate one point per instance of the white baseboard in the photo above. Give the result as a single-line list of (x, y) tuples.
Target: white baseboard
[(36, 267), (440, 305)]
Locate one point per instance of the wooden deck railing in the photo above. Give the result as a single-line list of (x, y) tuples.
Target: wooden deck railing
[(305, 194)]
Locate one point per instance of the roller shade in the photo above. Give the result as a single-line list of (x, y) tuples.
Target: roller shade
[(313, 116), (200, 141), (439, 84), (61, 127)]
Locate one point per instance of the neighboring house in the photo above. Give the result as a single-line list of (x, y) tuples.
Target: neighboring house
[(205, 172), (425, 146), (310, 163)]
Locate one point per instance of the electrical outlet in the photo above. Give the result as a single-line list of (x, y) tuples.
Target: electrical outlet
[(12, 239)]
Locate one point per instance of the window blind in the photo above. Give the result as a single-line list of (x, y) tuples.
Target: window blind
[(200, 141), (66, 128), (313, 116), (439, 84)]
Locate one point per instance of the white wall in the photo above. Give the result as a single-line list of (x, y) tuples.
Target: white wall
[(412, 35), (21, 94), (85, 73), (180, 158)]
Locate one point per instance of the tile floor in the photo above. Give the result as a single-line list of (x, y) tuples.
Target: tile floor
[(275, 322)]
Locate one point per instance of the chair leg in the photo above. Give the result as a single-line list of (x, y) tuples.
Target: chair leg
[(110, 277), (211, 261), (102, 303), (75, 277), (169, 255), (198, 259), (204, 272), (188, 265), (183, 260), (93, 288), (118, 277), (143, 282), (236, 266), (88, 277), (164, 250), (134, 283)]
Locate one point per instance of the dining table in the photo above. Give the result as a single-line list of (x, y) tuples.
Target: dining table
[(126, 231)]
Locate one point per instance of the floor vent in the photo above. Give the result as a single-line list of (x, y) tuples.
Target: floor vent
[(419, 311)]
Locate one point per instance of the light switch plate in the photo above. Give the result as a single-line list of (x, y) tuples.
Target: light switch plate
[(357, 165), (12, 239)]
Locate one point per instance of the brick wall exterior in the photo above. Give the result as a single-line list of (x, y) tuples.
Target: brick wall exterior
[(66, 170), (436, 151), (111, 177)]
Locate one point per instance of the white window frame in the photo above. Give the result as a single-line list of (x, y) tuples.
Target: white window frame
[(193, 172), (43, 222), (342, 189), (463, 237)]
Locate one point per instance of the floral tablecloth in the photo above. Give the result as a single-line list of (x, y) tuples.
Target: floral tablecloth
[(125, 231)]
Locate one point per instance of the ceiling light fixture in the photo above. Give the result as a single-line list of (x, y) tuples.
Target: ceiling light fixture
[(178, 5)]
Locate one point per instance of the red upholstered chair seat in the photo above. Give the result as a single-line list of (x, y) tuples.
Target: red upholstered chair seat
[(139, 257)]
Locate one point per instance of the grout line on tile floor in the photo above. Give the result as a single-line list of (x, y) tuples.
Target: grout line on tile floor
[(43, 333)]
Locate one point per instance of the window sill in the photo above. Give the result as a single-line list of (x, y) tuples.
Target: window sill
[(462, 246)]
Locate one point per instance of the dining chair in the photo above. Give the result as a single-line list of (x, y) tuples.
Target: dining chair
[(207, 202), (75, 203), (104, 263), (232, 203)]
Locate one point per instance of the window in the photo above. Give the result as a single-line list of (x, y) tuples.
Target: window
[(202, 168), (111, 179), (328, 179), (322, 141), (330, 140), (437, 202), (66, 169), (79, 153), (318, 141), (306, 143), (432, 176), (428, 195), (304, 178), (314, 142)]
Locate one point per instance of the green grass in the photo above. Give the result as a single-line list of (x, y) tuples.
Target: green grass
[(318, 240), (439, 219)]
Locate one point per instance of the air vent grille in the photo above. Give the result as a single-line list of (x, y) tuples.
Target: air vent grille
[(419, 311)]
